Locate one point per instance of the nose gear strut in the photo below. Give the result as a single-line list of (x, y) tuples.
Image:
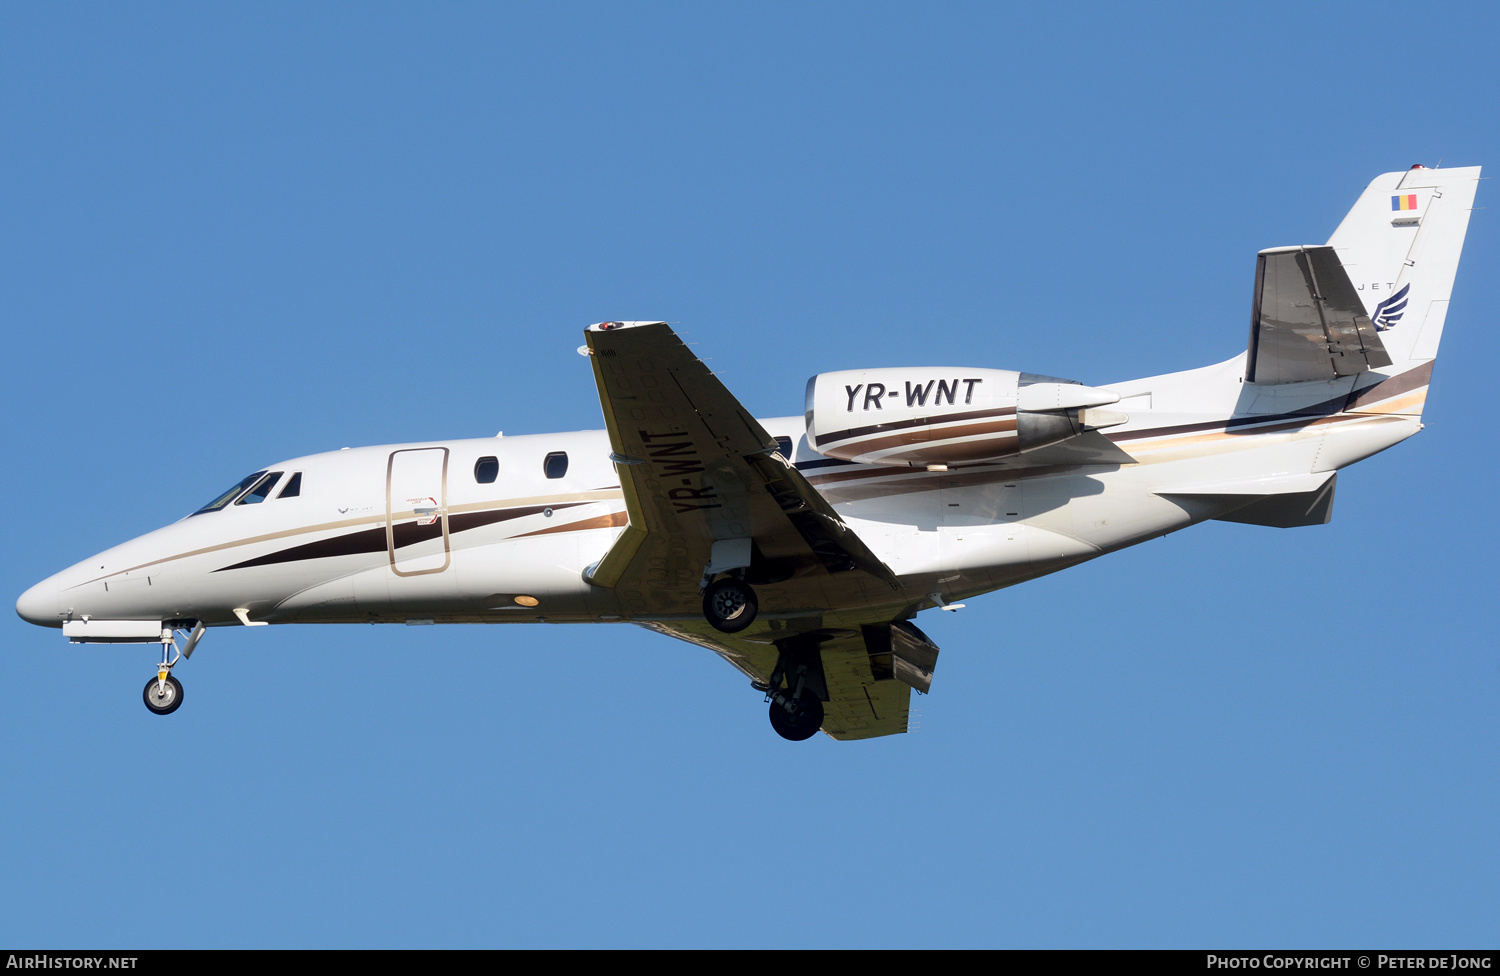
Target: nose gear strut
[(163, 693)]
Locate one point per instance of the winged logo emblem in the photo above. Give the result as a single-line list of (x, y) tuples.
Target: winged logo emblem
[(1389, 312)]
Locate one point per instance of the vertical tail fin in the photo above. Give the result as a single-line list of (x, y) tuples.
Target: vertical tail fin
[(1400, 247)]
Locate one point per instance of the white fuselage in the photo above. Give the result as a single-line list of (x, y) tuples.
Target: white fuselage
[(410, 532)]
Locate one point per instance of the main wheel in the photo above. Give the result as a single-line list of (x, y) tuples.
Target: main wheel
[(804, 723), (163, 701), (729, 605)]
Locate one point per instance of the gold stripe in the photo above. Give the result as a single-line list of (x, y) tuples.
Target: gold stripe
[(610, 521), (1288, 427), (899, 481), (1398, 405), (927, 436), (582, 496)]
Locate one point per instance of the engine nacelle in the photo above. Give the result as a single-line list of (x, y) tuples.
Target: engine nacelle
[(935, 417)]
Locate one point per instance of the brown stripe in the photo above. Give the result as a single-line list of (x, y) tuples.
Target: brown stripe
[(1249, 425), (1324, 409), (855, 448), (924, 437), (473, 520), (974, 451), (609, 521), (404, 534), (827, 462), (843, 435), (873, 471), (599, 495), (351, 543), (962, 478), (1410, 380), (904, 480)]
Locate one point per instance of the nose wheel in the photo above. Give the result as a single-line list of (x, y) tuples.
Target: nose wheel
[(163, 694)]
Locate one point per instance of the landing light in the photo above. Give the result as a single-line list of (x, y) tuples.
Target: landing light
[(527, 601)]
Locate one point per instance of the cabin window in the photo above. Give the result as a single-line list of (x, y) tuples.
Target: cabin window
[(784, 447), (231, 494), (486, 470), (556, 464), (293, 486), (261, 491)]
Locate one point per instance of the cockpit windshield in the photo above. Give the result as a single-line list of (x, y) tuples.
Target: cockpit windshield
[(231, 494), (261, 490)]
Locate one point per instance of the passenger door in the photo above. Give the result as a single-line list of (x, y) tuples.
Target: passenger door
[(416, 511)]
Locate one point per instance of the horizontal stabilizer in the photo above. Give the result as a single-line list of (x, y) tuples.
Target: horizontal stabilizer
[(1273, 504), (1308, 322)]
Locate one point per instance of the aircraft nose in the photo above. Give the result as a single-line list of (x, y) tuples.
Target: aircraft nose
[(41, 605)]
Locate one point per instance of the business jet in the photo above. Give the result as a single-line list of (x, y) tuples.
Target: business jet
[(799, 549)]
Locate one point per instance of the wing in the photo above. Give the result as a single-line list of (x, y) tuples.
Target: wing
[(1308, 322), (706, 492), (868, 671)]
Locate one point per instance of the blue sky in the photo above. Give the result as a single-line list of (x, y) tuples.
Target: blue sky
[(239, 233)]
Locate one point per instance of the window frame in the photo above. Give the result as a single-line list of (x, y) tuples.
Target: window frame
[(271, 480), (224, 500)]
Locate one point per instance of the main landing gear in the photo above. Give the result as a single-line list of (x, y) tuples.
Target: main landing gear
[(796, 691), (803, 720), (729, 604), (163, 693)]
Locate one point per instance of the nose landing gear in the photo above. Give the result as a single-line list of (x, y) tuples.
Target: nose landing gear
[(163, 693)]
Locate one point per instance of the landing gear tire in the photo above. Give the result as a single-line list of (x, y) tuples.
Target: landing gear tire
[(163, 701), (729, 605), (804, 723)]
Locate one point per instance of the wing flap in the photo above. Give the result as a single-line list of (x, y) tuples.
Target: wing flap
[(859, 706), (861, 703)]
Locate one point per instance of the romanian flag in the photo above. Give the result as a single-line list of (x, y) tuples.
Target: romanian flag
[(1407, 201)]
